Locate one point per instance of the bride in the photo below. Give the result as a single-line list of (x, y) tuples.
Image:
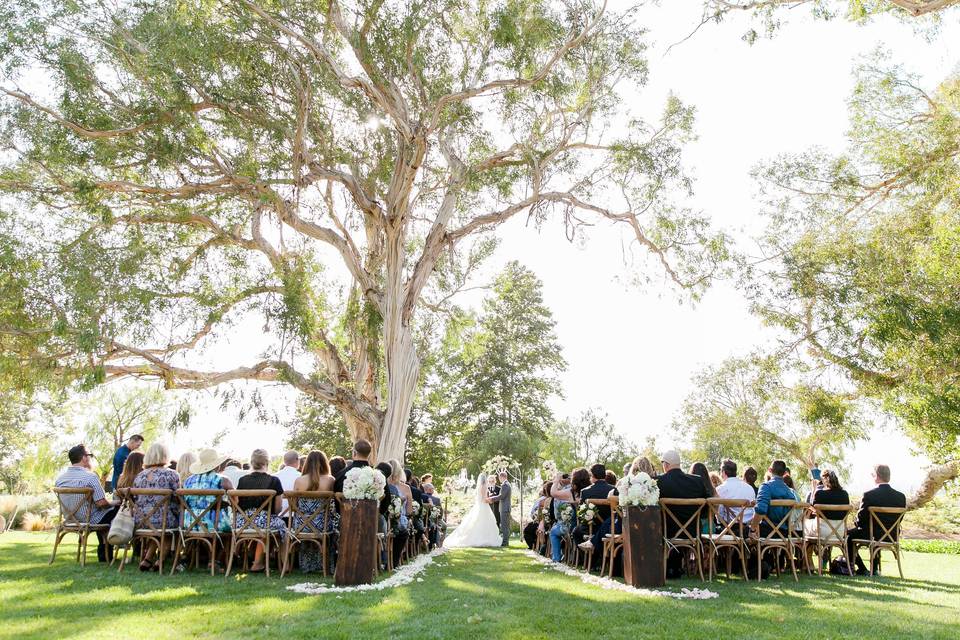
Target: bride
[(478, 527)]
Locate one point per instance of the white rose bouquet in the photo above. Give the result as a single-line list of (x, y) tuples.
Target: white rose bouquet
[(363, 483), (395, 508), (638, 491), (565, 510), (497, 464), (587, 513)]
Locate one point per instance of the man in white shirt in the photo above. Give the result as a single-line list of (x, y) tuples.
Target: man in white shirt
[(733, 488), (288, 474)]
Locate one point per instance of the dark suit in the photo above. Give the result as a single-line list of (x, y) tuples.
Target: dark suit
[(599, 490), (883, 496), (354, 464), (677, 484)]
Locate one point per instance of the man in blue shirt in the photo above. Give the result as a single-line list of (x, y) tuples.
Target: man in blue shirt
[(120, 457), (773, 489)]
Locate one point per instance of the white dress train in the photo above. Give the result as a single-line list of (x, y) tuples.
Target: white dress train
[(478, 527)]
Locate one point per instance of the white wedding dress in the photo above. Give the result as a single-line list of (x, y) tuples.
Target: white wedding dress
[(478, 528)]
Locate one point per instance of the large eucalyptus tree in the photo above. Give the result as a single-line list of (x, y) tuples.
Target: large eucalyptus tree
[(172, 167)]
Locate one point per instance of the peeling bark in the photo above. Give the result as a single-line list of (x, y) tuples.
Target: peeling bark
[(937, 476)]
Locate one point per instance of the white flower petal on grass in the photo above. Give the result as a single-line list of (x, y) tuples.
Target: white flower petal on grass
[(401, 576), (608, 583)]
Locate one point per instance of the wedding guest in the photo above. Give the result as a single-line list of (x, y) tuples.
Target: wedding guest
[(750, 477), (733, 488), (183, 465), (400, 480), (287, 475), (259, 479), (414, 483), (530, 529), (883, 495), (206, 473), (699, 469), (80, 476), (611, 478), (674, 483), (830, 493), (599, 489), (642, 463), (360, 455), (338, 464), (402, 531), (316, 477), (120, 456), (426, 478), (389, 493), (796, 516), (131, 468), (429, 494), (245, 466), (303, 461), (773, 489), (565, 490), (155, 475), (233, 471), (715, 479)]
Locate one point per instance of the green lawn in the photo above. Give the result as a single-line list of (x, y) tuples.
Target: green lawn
[(465, 594)]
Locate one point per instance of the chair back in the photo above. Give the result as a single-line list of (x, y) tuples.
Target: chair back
[(195, 523), (688, 527), (885, 524), (76, 505), (302, 523), (779, 531), (728, 526), (831, 529), (615, 513), (143, 522), (245, 525)]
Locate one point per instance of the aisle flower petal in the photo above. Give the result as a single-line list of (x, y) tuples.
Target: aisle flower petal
[(608, 583), (401, 576)]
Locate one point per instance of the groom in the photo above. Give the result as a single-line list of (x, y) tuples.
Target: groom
[(504, 503)]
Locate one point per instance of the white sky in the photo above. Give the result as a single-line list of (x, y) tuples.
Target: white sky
[(632, 353)]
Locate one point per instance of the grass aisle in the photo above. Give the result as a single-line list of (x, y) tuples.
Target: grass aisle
[(465, 594)]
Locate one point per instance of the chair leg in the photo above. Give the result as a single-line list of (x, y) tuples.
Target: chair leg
[(759, 563), (698, 555), (56, 543), (176, 552), (266, 554), (233, 549), (896, 554), (793, 564)]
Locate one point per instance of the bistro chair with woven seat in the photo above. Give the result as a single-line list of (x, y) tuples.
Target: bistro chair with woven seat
[(144, 532), (779, 537), (884, 528), (311, 522), (613, 541), (246, 531), (729, 537), (76, 506), (687, 534), (824, 533), (199, 527)]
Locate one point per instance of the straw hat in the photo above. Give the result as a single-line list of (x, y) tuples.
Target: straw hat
[(208, 461)]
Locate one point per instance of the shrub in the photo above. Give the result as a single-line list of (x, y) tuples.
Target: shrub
[(36, 522), (932, 546), (45, 503)]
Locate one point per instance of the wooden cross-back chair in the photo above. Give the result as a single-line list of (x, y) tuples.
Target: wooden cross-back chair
[(779, 538), (303, 528), (730, 537), (76, 507), (543, 532), (194, 529), (882, 536), (426, 513), (830, 532), (144, 530), (613, 541), (413, 537), (246, 531), (591, 526), (687, 535)]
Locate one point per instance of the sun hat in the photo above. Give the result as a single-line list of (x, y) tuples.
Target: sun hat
[(208, 460)]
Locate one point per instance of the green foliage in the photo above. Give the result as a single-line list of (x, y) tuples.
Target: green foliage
[(318, 425), (587, 440), (948, 547)]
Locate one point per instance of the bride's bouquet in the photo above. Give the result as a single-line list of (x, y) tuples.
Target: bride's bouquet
[(638, 491), (363, 483)]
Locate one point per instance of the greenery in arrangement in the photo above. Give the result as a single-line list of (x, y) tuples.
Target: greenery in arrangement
[(466, 594)]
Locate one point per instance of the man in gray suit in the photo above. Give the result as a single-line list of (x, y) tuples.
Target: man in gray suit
[(504, 503)]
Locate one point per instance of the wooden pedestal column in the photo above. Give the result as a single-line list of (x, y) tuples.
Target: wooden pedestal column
[(357, 548), (643, 547)]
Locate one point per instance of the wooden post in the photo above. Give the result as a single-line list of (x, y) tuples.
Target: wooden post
[(642, 547), (357, 554)]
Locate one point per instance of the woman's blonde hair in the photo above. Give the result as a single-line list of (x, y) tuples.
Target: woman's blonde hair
[(259, 459), (397, 475), (641, 463), (156, 456), (183, 465)]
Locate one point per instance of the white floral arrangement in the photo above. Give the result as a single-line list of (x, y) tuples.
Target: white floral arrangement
[(565, 511), (638, 491), (363, 483), (416, 509), (395, 508), (497, 464), (587, 513), (549, 469)]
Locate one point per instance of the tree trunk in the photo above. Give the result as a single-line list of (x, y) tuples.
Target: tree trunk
[(360, 429), (937, 476), (403, 370)]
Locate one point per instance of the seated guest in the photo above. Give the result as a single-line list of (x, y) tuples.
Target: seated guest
[(259, 479), (79, 476), (733, 488), (750, 477), (565, 490), (699, 469), (715, 479), (288, 474), (402, 523), (131, 468), (830, 493), (316, 477), (183, 465), (338, 464), (530, 529), (600, 489), (414, 483), (773, 489), (433, 533), (155, 475), (642, 464), (133, 443), (611, 478), (796, 516), (206, 474), (232, 471), (389, 492), (361, 455), (674, 483), (883, 495), (429, 494)]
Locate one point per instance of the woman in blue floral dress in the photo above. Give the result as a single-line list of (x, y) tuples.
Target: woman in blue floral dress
[(316, 477), (205, 474)]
